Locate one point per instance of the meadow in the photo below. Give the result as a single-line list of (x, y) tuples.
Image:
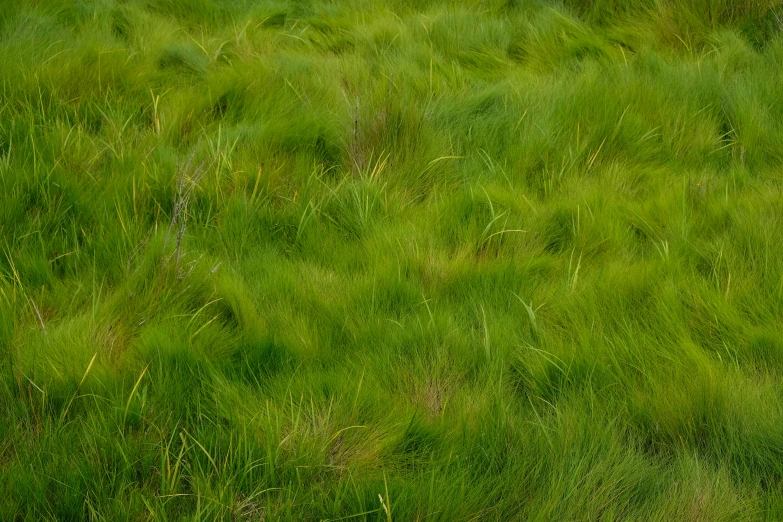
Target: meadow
[(402, 260)]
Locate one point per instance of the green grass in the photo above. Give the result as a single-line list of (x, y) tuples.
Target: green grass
[(402, 260)]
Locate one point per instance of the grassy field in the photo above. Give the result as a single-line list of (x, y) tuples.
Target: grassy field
[(397, 260)]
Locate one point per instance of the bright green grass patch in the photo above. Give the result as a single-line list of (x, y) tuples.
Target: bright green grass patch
[(323, 260)]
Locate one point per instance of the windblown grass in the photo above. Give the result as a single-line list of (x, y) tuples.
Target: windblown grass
[(403, 260)]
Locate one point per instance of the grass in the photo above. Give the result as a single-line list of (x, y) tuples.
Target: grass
[(403, 260)]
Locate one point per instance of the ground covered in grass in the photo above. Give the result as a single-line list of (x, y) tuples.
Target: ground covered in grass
[(391, 260)]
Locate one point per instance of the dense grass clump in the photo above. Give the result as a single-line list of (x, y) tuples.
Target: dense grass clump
[(402, 260)]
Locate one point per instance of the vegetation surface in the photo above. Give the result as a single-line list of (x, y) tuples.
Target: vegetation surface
[(391, 260)]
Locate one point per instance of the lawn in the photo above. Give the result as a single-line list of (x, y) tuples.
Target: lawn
[(402, 260)]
